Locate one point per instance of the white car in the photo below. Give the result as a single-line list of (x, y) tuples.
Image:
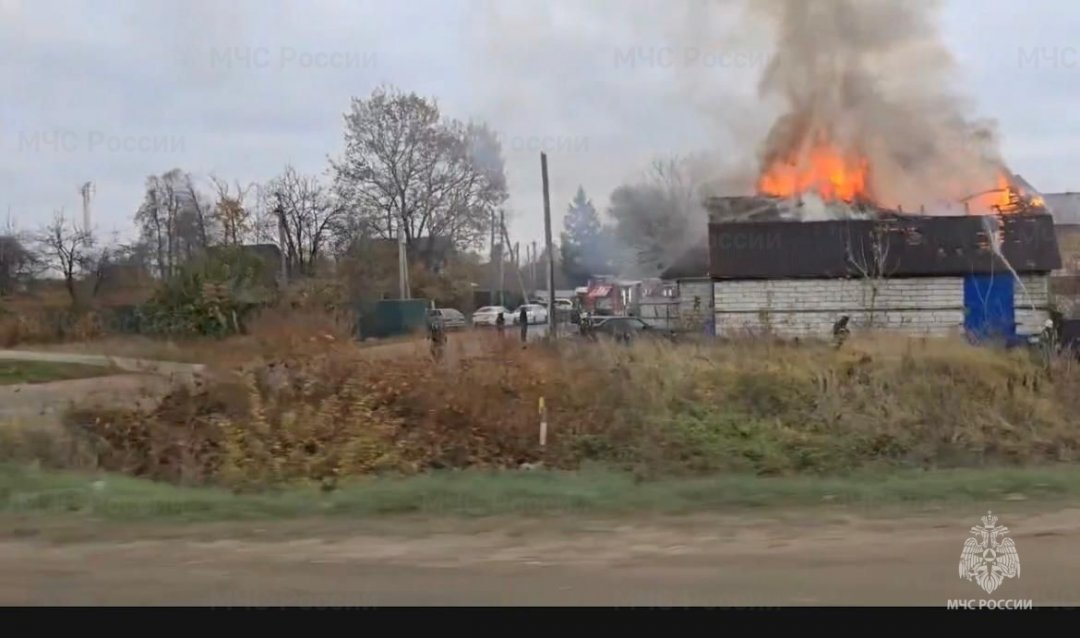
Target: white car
[(488, 315), (535, 313), (564, 304)]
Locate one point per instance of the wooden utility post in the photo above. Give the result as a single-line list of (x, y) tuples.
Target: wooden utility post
[(284, 253), (494, 270), (502, 257), (403, 263), (550, 251), (514, 262)]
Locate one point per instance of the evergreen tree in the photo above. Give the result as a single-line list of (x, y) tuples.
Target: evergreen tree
[(584, 247)]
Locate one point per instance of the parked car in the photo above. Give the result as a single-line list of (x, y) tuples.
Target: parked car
[(451, 319), (487, 315), (535, 313), (624, 328)]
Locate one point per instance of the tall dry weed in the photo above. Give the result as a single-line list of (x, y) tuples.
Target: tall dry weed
[(657, 408), (280, 331), (46, 327), (309, 426)]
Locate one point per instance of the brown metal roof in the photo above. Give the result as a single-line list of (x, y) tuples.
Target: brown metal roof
[(895, 246)]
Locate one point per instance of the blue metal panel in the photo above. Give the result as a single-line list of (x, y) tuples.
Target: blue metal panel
[(989, 308)]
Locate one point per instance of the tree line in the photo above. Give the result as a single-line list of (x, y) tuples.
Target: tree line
[(406, 168)]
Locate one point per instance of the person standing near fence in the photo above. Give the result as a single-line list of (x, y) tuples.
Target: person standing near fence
[(523, 318)]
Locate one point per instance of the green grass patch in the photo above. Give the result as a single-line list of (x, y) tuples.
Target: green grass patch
[(17, 372), (26, 489)]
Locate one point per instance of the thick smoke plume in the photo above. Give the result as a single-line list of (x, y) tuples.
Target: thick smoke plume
[(632, 78), (876, 79)]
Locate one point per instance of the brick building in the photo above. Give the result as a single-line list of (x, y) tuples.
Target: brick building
[(918, 274)]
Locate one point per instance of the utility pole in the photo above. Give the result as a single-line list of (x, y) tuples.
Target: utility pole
[(284, 253), (494, 268), (502, 258), (87, 191), (403, 262), (514, 261), (532, 266), (550, 252)]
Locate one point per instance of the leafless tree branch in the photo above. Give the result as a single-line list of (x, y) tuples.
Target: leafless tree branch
[(405, 167), (308, 215), (68, 249)]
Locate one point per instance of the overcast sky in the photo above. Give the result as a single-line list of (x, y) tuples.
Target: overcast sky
[(113, 91)]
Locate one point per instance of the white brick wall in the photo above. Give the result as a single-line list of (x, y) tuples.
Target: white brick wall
[(809, 307), (688, 290), (1035, 292)]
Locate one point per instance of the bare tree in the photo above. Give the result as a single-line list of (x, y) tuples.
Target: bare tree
[(67, 249), (18, 263), (265, 228), (869, 256), (231, 212), (175, 219), (196, 218), (405, 168), (307, 213), (97, 266), (14, 262), (154, 219)]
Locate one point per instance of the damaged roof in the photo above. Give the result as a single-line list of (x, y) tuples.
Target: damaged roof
[(895, 246)]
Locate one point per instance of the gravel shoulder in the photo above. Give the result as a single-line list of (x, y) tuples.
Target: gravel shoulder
[(793, 559)]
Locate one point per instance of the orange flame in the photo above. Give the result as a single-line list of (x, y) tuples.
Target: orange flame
[(1004, 199), (823, 170), (835, 175)]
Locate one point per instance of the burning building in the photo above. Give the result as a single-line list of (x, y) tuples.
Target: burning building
[(986, 275), (792, 263), (817, 242), (876, 196)]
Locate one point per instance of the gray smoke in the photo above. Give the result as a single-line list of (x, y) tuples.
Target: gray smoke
[(876, 78), (731, 83)]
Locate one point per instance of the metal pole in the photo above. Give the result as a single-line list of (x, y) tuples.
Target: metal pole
[(403, 263), (502, 258), (494, 270), (550, 251), (87, 191), (514, 260), (284, 253)]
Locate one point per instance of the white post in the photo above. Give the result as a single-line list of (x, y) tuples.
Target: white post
[(543, 424)]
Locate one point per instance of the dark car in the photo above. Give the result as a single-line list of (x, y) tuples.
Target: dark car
[(623, 328), (451, 319)]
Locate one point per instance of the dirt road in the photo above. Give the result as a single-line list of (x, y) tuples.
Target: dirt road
[(142, 381), (42, 404), (708, 560)]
